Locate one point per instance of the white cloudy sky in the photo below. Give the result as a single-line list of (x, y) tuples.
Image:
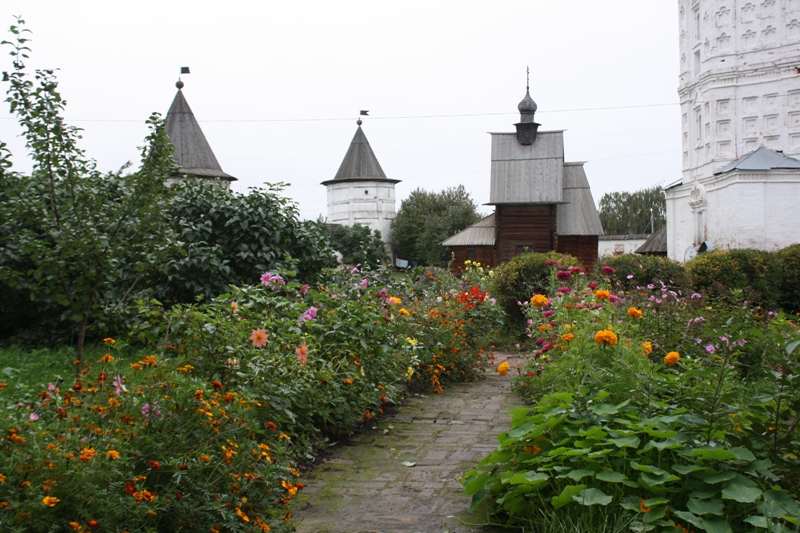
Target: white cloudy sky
[(277, 86)]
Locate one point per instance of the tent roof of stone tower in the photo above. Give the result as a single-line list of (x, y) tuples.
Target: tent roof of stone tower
[(360, 163), (192, 151)]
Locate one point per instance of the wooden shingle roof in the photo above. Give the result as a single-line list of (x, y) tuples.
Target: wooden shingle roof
[(481, 233), (192, 151), (360, 163)]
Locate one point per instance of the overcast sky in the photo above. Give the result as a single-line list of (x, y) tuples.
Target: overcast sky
[(277, 86)]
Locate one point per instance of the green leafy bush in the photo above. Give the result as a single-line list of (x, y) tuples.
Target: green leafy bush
[(789, 260), (359, 246), (634, 270), (756, 272), (517, 280)]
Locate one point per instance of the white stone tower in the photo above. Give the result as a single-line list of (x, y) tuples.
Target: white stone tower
[(360, 193)]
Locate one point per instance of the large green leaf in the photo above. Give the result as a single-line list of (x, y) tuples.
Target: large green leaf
[(686, 516), (715, 524), (566, 495), (626, 442), (531, 477), (741, 491), (714, 454), (590, 497), (611, 477), (701, 507), (725, 475)]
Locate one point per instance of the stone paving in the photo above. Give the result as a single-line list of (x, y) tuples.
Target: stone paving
[(364, 487)]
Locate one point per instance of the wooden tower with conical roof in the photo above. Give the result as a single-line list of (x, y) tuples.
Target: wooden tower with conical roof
[(360, 193), (193, 154)]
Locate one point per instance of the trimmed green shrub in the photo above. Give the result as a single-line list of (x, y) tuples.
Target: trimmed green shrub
[(754, 272), (524, 276), (634, 270), (789, 261)]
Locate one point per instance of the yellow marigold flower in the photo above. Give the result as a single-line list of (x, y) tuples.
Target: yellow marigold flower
[(107, 358), (50, 501), (403, 311), (648, 347), (602, 295), (605, 337), (502, 368), (539, 300), (394, 300), (634, 313), (671, 358), (112, 454), (412, 342), (567, 337), (109, 340)]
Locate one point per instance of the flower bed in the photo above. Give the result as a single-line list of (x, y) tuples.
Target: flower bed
[(671, 411), (204, 431)]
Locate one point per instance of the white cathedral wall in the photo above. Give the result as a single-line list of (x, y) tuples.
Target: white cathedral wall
[(738, 82), (743, 210), (369, 203)]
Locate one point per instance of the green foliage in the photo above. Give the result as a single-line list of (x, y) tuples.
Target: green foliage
[(425, 219), (359, 246), (71, 236), (756, 272), (517, 280), (226, 238), (634, 270), (789, 260), (626, 213)]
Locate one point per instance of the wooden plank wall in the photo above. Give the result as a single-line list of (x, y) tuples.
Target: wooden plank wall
[(584, 247), (533, 226), (483, 254)]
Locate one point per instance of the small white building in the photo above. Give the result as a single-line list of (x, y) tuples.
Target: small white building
[(740, 117), (360, 193)]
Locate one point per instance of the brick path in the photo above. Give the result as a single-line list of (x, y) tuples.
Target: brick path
[(363, 486)]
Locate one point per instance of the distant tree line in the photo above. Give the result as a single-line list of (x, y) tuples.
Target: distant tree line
[(629, 213)]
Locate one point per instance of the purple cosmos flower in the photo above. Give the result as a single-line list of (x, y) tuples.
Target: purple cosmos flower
[(304, 288), (710, 349)]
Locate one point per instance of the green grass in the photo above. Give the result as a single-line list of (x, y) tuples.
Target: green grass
[(31, 367)]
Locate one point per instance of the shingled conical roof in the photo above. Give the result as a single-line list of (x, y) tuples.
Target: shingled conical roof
[(360, 162), (192, 151)]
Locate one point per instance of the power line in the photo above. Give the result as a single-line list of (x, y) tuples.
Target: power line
[(398, 117)]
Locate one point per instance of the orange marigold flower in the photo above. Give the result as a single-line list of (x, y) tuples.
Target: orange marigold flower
[(648, 347), (348, 381), (284, 436), (533, 450), (205, 458), (602, 295), (502, 368), (634, 313), (242, 516), (107, 358), (605, 337), (155, 465), (75, 525), (643, 508), (367, 414), (272, 426), (93, 524), (109, 340), (50, 501), (403, 311), (130, 488), (539, 300), (567, 337), (112, 454), (2, 478), (87, 454), (136, 366), (671, 358)]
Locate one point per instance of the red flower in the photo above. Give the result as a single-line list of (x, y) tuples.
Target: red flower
[(216, 385), (154, 465), (130, 488)]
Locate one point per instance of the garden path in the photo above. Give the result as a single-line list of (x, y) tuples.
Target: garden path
[(364, 487)]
